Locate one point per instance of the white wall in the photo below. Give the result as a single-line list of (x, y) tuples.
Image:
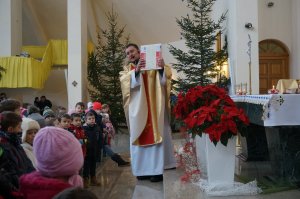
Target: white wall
[(275, 22), (295, 53)]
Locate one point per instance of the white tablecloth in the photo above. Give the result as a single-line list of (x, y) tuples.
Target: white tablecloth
[(278, 109)]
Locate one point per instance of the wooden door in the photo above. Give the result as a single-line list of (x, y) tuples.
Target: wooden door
[(273, 64), (270, 71)]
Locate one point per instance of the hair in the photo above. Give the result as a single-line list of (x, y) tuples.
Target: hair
[(133, 45), (32, 109), (9, 119), (9, 105), (88, 114), (65, 115), (73, 115), (75, 193), (80, 104)]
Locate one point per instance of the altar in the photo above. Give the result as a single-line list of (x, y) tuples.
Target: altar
[(274, 133)]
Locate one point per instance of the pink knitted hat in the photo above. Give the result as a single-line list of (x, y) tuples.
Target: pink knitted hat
[(58, 153)]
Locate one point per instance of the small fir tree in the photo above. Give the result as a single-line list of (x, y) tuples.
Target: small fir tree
[(199, 65), (104, 66)]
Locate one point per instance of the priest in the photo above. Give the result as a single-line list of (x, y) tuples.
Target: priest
[(147, 109)]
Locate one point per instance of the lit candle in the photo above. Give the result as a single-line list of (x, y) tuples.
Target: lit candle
[(273, 88)]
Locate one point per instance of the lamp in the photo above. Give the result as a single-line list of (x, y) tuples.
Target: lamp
[(248, 26)]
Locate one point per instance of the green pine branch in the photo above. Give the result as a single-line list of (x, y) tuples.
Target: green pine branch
[(105, 64), (198, 66)]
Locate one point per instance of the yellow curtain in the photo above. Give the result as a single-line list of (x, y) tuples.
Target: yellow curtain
[(32, 72)]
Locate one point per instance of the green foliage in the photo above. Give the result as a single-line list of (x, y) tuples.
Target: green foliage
[(104, 66), (199, 65)]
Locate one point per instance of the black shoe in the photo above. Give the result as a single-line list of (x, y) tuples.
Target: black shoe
[(124, 164), (171, 168), (156, 178), (143, 177)]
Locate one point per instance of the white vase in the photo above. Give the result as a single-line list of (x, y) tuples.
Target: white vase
[(216, 163)]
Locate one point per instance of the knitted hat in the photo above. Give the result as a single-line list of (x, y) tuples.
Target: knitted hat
[(48, 112), (28, 124), (97, 106), (58, 153)]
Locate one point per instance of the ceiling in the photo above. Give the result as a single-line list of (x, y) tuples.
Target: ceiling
[(146, 21)]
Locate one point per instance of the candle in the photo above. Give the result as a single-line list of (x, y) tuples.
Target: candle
[(273, 88)]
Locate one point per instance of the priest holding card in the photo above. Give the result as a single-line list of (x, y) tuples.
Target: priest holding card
[(146, 91)]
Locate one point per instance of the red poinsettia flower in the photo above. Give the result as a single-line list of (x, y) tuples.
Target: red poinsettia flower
[(208, 109)]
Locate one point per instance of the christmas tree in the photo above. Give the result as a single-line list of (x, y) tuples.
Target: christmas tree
[(104, 66), (201, 63)]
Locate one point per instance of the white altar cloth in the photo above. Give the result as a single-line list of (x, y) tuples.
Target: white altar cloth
[(278, 109)]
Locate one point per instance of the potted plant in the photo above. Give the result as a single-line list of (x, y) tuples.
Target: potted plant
[(209, 112)]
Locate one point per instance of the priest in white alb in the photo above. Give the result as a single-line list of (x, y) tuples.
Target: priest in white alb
[(147, 109)]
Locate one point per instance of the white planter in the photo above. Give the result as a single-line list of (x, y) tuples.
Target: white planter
[(216, 163)]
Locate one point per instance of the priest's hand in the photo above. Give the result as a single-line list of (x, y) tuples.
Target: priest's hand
[(140, 65)]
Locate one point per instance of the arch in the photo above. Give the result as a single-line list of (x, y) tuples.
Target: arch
[(273, 47)]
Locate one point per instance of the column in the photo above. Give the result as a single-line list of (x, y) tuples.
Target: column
[(10, 27), (77, 52), (241, 12)]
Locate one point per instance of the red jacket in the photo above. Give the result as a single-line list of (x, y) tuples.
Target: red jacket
[(36, 186), (78, 132)]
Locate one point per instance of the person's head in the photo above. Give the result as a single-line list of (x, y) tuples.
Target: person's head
[(36, 99), (105, 118), (58, 154), (76, 119), (79, 107), (89, 118), (30, 128), (10, 105), (10, 122), (105, 108), (3, 96), (32, 109), (48, 113), (75, 193), (61, 110), (97, 107), (52, 122), (64, 120), (132, 52), (43, 98)]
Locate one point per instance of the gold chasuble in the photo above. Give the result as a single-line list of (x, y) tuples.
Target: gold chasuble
[(145, 106)]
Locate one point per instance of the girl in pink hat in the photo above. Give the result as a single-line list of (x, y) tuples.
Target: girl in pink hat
[(59, 159)]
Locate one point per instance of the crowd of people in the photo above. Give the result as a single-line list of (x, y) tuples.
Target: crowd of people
[(44, 154), (59, 151)]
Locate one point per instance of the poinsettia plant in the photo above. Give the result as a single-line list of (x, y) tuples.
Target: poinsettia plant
[(208, 109)]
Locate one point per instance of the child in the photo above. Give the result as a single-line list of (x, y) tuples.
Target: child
[(64, 121), (109, 130), (59, 159), (10, 105), (30, 128), (94, 144), (13, 159), (78, 131), (79, 108)]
